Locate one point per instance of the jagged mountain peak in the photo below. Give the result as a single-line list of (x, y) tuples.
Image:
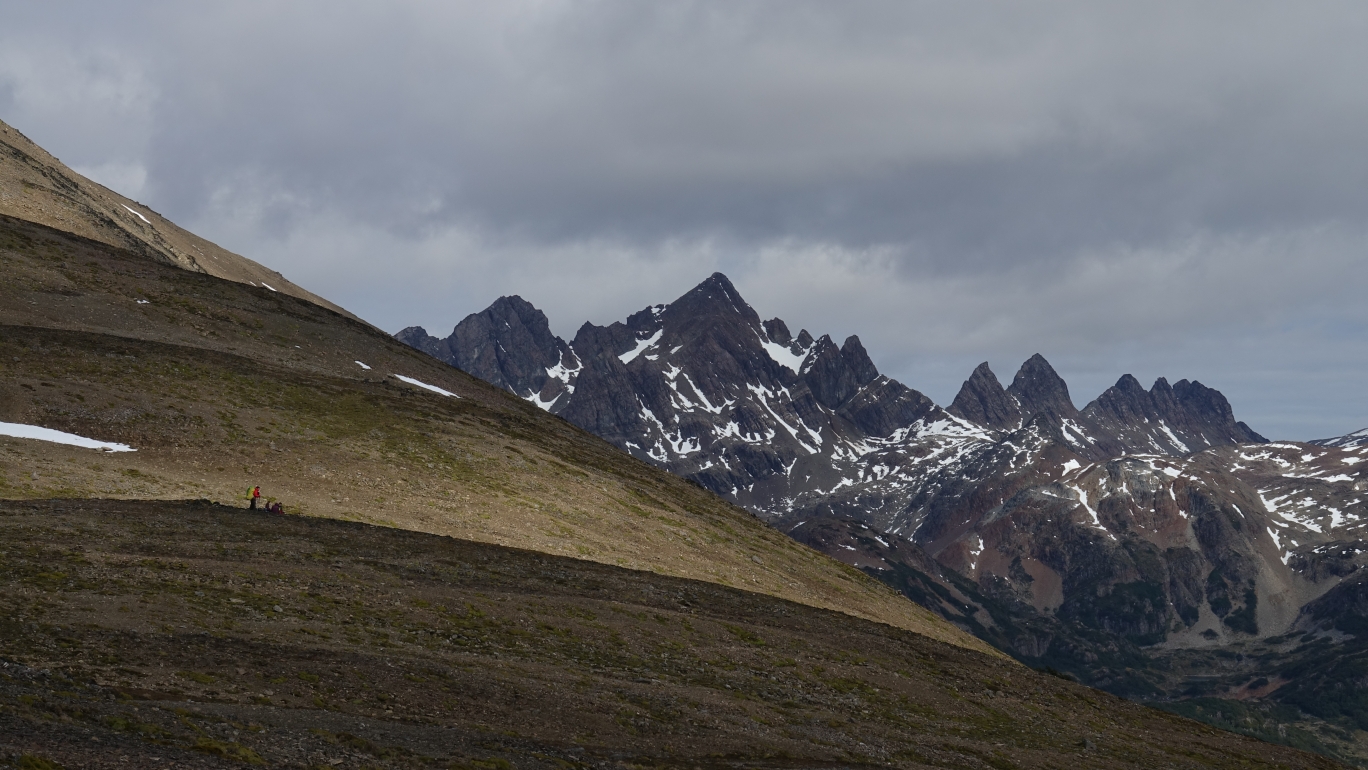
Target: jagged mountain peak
[(1170, 419), (983, 400), (857, 358), (509, 344), (704, 387), (1127, 383), (777, 331), (714, 296), (1037, 387)]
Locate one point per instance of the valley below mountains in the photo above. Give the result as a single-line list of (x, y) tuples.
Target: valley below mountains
[(1149, 543)]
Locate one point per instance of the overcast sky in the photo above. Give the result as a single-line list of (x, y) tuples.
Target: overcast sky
[(1165, 189)]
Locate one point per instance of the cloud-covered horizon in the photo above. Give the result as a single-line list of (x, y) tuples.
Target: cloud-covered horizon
[(1159, 189)]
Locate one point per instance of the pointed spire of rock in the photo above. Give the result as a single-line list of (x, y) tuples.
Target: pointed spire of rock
[(714, 296), (1038, 388), (982, 400), (857, 359), (509, 344)]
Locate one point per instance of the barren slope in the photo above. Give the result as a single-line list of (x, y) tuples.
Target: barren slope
[(221, 385), (36, 187), (140, 634)]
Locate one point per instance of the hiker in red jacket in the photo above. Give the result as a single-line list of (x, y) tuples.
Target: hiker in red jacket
[(255, 495)]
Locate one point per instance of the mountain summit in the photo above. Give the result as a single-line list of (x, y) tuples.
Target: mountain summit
[(1075, 538), (790, 425)]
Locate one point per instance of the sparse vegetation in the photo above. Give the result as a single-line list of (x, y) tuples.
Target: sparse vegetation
[(255, 639)]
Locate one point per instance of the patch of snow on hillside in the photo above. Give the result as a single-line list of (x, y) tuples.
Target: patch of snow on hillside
[(19, 430), (138, 215), (1083, 500), (1070, 425), (426, 386), (267, 285), (536, 399), (1341, 477), (1278, 542), (565, 375), (783, 356), (707, 405), (641, 345), (974, 551), (764, 394), (143, 302), (1274, 506), (1171, 437), (1336, 517), (678, 444), (363, 366), (953, 427), (1071, 465)]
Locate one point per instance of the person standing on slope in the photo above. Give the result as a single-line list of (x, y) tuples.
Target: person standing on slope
[(254, 495)]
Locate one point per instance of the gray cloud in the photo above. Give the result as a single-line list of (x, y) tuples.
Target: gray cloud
[(1160, 188)]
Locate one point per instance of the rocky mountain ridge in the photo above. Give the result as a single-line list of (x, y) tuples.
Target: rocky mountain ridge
[(788, 424), (1355, 439), (1147, 521)]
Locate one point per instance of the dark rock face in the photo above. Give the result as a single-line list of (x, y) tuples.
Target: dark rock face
[(1179, 419), (509, 344), (787, 424), (983, 400), (1040, 390), (702, 387), (418, 337), (1072, 538)]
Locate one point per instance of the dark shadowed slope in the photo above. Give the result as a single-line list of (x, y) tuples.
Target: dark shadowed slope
[(210, 637)]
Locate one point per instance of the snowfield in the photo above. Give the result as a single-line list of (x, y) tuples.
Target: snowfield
[(19, 430), (422, 384)]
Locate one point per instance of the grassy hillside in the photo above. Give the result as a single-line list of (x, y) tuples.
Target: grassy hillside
[(36, 187), (221, 385), (139, 634)]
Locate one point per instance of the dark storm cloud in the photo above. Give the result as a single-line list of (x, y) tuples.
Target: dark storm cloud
[(1165, 187)]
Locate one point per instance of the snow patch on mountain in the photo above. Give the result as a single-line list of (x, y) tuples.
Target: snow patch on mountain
[(641, 347), (36, 433), (785, 357), (426, 386)]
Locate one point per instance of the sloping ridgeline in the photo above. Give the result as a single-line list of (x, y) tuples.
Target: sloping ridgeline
[(1135, 543)]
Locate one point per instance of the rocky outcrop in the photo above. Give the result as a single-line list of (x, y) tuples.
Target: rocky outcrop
[(1075, 539), (984, 401), (1038, 389), (703, 387), (1178, 419), (508, 344)]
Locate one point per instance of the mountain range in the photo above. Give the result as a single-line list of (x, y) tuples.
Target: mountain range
[(460, 579), (1124, 542)]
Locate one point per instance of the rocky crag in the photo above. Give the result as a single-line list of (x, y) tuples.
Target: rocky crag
[(1148, 524)]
